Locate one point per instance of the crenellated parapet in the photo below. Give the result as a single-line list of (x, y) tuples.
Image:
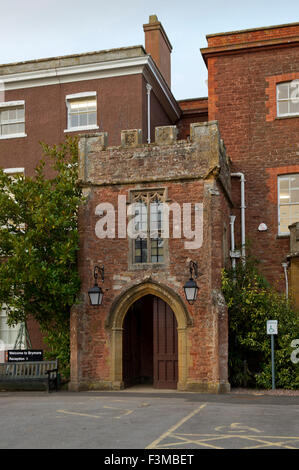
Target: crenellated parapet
[(202, 156)]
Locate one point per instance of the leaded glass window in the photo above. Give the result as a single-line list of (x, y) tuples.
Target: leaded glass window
[(148, 242)]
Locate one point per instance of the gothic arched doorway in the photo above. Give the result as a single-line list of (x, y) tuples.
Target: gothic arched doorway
[(115, 320), (150, 344)]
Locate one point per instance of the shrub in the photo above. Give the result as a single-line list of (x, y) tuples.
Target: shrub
[(251, 302), (38, 246)]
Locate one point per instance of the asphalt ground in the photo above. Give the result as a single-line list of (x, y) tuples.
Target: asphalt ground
[(161, 422)]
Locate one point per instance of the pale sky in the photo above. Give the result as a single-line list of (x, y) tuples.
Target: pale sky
[(34, 29)]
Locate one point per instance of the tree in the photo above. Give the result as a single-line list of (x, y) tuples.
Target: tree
[(39, 244), (251, 302)]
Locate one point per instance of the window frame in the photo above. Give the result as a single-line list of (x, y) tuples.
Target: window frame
[(80, 97), (279, 204), (12, 172), (148, 263), (6, 331), (9, 105), (287, 100)]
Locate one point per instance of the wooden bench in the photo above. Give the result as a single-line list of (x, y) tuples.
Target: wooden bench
[(41, 375)]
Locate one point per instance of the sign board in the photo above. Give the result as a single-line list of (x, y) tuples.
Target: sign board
[(22, 355), (272, 326)]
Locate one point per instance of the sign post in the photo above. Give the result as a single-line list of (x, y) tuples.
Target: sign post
[(272, 330)]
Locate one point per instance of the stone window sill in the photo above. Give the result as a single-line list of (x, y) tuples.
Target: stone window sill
[(145, 266), (81, 128), (12, 136), (291, 116)]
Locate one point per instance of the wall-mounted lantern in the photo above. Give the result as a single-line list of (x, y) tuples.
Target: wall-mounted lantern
[(95, 293), (191, 288)]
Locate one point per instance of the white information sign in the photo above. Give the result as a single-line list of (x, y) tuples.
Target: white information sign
[(272, 326)]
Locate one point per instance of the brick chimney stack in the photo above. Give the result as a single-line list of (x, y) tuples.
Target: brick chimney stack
[(158, 46)]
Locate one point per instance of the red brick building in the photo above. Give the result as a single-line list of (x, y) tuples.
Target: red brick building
[(47, 99), (252, 94), (139, 147)]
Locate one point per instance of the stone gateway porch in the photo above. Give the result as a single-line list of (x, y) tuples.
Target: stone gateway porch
[(145, 331)]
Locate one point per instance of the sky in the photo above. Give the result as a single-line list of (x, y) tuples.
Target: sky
[(34, 29)]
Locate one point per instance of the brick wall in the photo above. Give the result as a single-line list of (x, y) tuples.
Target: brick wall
[(242, 97), (121, 103), (193, 110)]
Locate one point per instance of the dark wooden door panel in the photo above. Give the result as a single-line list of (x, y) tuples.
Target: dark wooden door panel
[(138, 343), (130, 352), (165, 346), (150, 344)]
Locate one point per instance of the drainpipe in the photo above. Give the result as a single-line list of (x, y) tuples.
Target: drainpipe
[(243, 207), (148, 91), (232, 240), (233, 252), (285, 266)]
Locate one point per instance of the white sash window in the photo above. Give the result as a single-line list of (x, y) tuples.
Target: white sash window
[(12, 119)]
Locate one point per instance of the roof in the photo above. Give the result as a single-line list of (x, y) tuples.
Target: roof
[(72, 60), (261, 28)]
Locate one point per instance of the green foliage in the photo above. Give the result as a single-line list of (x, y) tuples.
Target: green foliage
[(251, 302), (39, 244)]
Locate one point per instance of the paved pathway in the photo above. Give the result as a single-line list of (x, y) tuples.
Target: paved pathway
[(147, 420)]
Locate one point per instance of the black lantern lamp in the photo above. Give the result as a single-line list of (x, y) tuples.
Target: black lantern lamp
[(191, 288), (95, 293)]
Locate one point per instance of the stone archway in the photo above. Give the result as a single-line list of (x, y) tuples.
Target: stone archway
[(114, 325)]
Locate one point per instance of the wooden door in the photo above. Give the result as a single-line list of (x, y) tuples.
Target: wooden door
[(165, 346), (138, 343), (130, 351)]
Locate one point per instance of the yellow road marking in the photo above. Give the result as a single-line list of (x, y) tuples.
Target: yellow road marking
[(205, 440), (237, 427), (78, 414), (193, 441), (176, 426), (125, 411)]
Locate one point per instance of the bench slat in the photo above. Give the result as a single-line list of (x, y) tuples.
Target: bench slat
[(26, 369)]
